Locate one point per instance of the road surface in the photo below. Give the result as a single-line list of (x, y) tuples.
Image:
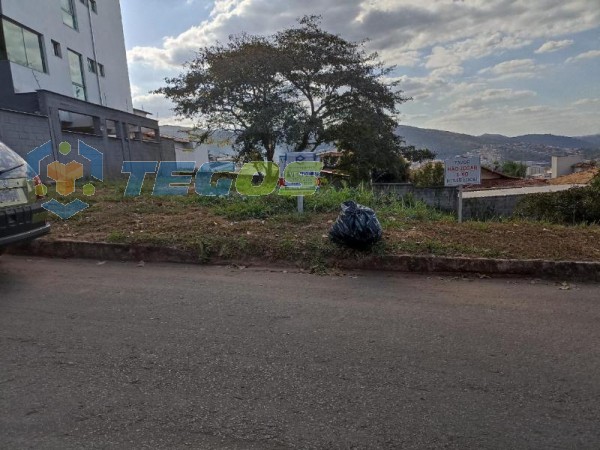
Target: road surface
[(116, 355)]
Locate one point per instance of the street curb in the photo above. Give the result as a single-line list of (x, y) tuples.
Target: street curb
[(561, 270)]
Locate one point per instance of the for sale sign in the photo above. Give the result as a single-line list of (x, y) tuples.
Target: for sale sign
[(461, 171)]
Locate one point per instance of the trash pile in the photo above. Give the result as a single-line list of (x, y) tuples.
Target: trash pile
[(356, 227)]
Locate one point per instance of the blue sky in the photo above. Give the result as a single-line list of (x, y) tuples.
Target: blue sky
[(472, 66)]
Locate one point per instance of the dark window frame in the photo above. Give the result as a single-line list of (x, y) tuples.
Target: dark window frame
[(4, 49), (73, 83), (56, 47), (91, 130), (71, 12), (92, 66)]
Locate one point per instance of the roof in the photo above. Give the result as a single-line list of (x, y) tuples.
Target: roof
[(137, 110), (500, 174)]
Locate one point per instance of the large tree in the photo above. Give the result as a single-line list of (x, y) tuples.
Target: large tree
[(301, 87)]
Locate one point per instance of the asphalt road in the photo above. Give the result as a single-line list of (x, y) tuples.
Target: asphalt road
[(173, 356)]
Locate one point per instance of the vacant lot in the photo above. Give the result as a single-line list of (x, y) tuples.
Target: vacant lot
[(269, 228)]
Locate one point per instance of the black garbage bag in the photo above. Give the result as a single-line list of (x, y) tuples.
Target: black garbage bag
[(357, 226)]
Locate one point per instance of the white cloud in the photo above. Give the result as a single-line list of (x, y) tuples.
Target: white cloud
[(421, 88), (491, 97), (447, 71), (587, 102), (553, 46), (515, 68), (587, 55), (459, 31), (442, 36), (515, 120)]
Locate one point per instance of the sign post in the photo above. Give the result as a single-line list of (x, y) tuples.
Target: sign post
[(461, 171), (292, 157)]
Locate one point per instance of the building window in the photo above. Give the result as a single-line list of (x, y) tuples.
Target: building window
[(149, 134), (22, 46), (133, 132), (112, 128), (76, 68), (92, 67), (101, 69), (76, 123), (57, 49), (68, 13), (94, 6)]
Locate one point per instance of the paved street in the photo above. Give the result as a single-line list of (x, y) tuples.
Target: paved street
[(116, 355)]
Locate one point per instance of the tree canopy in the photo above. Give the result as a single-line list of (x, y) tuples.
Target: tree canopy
[(300, 88), (514, 169)]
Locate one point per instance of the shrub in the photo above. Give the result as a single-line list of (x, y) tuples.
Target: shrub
[(430, 174), (573, 206)]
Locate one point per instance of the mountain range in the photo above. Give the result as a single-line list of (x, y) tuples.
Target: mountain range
[(529, 147), (446, 144)]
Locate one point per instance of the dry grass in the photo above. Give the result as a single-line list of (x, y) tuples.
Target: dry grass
[(269, 228), (576, 178)]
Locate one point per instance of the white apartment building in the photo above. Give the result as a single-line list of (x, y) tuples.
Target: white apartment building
[(70, 47), (64, 77)]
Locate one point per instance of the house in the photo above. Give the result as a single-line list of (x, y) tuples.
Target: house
[(64, 77), (563, 165)]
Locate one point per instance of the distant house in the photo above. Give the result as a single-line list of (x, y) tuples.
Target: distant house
[(563, 165), (491, 178)]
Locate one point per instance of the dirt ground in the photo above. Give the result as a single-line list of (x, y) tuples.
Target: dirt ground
[(576, 178), (304, 239)]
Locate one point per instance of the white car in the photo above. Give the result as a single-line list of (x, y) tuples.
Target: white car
[(22, 217)]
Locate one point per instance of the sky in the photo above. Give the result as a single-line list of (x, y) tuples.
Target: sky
[(510, 67)]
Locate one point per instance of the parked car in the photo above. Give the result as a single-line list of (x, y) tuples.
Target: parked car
[(22, 217)]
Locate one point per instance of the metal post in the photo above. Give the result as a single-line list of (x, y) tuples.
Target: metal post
[(460, 203), (300, 204)]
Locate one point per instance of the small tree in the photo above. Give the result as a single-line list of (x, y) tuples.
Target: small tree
[(430, 174), (417, 155), (514, 169), (301, 87)]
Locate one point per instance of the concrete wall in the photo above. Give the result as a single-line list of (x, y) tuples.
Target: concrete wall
[(23, 132), (45, 18), (442, 198), (199, 154), (484, 208), (563, 165), (446, 199)]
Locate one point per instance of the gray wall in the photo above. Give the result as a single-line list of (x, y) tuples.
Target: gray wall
[(483, 208), (563, 165), (442, 198), (23, 132), (446, 199)]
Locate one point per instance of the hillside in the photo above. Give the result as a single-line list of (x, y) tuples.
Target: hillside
[(446, 144), (593, 140), (530, 147)]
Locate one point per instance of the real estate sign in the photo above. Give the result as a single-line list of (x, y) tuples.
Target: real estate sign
[(461, 171)]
